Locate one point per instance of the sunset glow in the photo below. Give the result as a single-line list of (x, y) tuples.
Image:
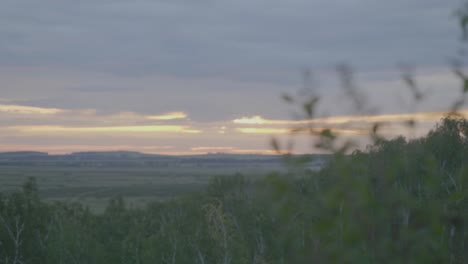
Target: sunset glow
[(253, 130), (86, 125), (203, 81), (136, 129)]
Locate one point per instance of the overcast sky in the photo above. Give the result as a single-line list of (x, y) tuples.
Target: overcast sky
[(172, 76)]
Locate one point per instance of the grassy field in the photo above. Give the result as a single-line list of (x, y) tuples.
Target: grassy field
[(94, 185)]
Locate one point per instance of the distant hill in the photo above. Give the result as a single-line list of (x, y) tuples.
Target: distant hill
[(130, 158), (109, 155), (22, 155)]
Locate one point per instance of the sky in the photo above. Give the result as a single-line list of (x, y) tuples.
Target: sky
[(199, 76)]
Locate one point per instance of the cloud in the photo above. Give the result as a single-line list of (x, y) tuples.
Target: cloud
[(132, 116), (238, 40), (42, 120), (344, 120), (108, 129), (29, 110), (391, 124), (168, 116), (315, 130), (251, 130), (21, 114), (107, 69)]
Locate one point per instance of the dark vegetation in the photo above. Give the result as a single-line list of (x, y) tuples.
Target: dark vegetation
[(398, 202)]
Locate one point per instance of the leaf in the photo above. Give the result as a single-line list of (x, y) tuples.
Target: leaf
[(410, 123), (456, 197), (275, 145), (287, 98), (464, 24), (375, 128), (409, 81), (309, 106), (327, 133)]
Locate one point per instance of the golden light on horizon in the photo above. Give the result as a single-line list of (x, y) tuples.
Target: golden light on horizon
[(253, 130), (63, 129), (233, 150), (212, 148), (255, 151), (68, 127)]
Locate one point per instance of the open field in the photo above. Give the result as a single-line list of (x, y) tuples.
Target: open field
[(92, 178), (94, 185)]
